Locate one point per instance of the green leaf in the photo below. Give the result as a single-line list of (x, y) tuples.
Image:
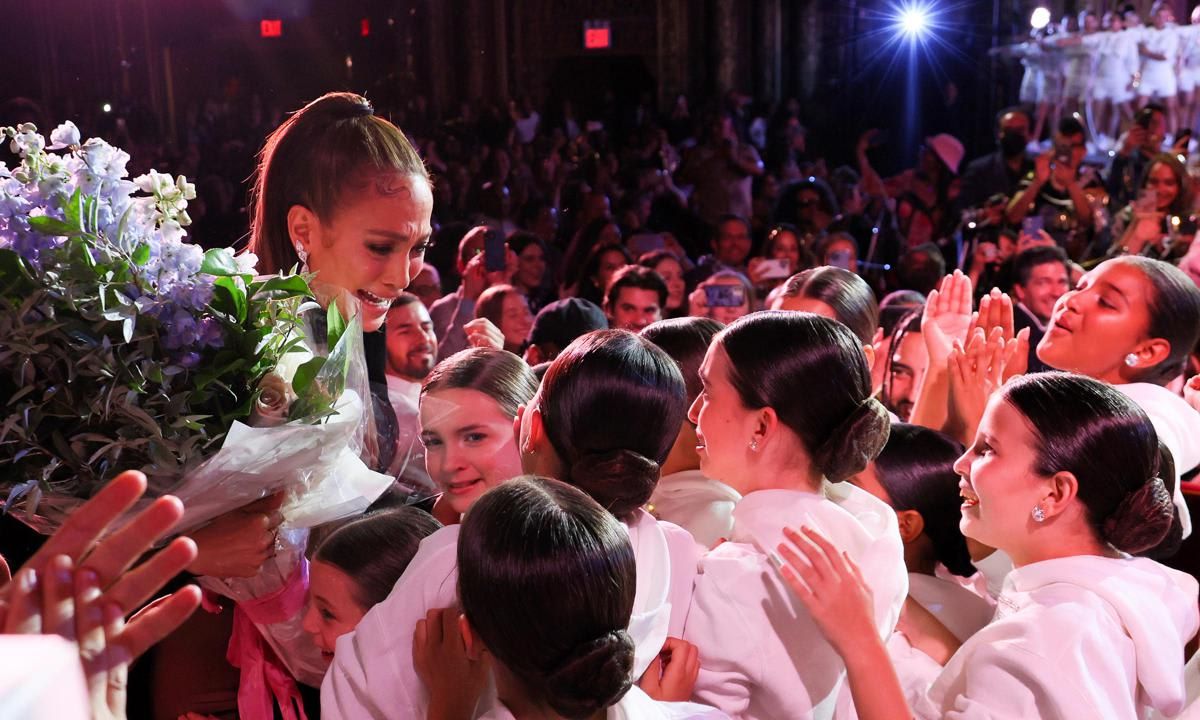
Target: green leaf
[(72, 209), (305, 374), (141, 254), (291, 286), (335, 325), (47, 225), (229, 298), (220, 262)]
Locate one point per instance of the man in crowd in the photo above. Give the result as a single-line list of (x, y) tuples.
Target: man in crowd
[(731, 248), (411, 355), (999, 172), (721, 171), (558, 324), (1041, 278), (1138, 146), (635, 298)]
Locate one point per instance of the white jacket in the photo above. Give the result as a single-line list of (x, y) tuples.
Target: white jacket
[(372, 674), (698, 504), (761, 656), (636, 705), (1077, 637), (1178, 427)]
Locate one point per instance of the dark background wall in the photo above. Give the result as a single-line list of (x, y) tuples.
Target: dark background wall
[(838, 57)]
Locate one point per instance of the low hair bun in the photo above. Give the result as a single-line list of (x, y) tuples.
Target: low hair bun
[(594, 676), (855, 442), (621, 480), (1142, 520)]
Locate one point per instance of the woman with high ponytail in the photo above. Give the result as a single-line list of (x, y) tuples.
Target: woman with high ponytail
[(784, 417), (1065, 476), (547, 581), (603, 420)]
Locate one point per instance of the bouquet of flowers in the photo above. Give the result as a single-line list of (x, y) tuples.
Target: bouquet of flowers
[(123, 346)]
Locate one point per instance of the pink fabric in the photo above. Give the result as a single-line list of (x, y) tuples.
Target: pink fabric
[(263, 676)]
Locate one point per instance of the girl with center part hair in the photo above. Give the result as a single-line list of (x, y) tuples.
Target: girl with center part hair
[(1063, 476), (547, 580), (468, 404), (604, 419), (784, 417)]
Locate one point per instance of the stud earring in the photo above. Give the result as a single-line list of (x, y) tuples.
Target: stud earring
[(1131, 359), (754, 445), (1039, 515)]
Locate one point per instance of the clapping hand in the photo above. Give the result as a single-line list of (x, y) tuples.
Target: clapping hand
[(672, 675), (996, 313), (947, 316), (976, 371)]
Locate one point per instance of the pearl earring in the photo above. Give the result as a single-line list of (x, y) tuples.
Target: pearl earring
[(1039, 515), (1131, 359)]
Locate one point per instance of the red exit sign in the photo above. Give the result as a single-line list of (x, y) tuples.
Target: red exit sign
[(270, 28), (597, 35)]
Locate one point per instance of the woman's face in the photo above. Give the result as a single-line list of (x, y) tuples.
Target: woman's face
[(998, 484), (672, 272), (332, 610), (724, 426), (610, 263), (1097, 324), (469, 444), (1162, 181), (373, 245), (516, 320), (610, 234), (786, 247), (531, 266)]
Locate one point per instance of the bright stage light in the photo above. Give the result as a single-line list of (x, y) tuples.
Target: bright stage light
[(914, 21), (1040, 18), (106, 107)]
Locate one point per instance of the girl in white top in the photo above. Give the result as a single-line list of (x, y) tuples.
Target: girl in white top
[(1189, 70), (1080, 50), (784, 416), (1062, 477), (1131, 322), (604, 418), (684, 495), (547, 580), (1117, 61), (1159, 49)]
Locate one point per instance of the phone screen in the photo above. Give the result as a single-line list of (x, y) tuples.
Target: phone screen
[(495, 256), (725, 295), (1032, 224)]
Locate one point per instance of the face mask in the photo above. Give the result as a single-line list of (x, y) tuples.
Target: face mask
[(1013, 144)]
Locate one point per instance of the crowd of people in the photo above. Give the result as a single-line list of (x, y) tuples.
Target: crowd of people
[(688, 425)]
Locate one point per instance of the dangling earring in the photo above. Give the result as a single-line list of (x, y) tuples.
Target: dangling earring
[(1039, 515), (303, 255), (754, 444), (1131, 359)]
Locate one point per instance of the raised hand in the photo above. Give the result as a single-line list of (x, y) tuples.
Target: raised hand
[(996, 314), (482, 332), (672, 675), (1191, 392), (947, 316), (976, 371)]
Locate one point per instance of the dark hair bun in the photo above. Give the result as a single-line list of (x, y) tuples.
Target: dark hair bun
[(1142, 520), (593, 677), (855, 442), (621, 480)]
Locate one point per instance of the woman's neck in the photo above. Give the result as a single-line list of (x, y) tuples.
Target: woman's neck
[(1060, 545), (797, 475)]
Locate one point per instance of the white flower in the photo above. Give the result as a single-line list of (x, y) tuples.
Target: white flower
[(64, 135), (26, 141), (247, 263)]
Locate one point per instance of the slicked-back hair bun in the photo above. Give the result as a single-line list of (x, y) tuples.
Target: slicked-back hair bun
[(812, 372), (1096, 433), (612, 405), (546, 578)]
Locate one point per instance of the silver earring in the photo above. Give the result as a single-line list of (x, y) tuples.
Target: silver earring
[(1131, 359), (302, 254), (754, 445), (1039, 515)]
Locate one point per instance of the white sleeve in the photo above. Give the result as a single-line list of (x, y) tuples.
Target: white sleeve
[(730, 657), (372, 674)]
